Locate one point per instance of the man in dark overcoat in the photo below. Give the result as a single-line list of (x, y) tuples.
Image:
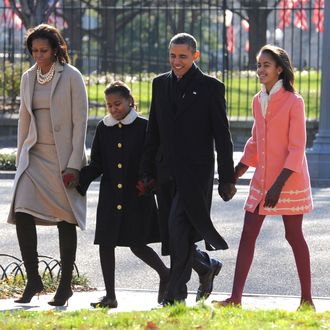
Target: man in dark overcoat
[(187, 120)]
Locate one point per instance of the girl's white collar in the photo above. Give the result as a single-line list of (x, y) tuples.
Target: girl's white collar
[(264, 96), (108, 120), (276, 87)]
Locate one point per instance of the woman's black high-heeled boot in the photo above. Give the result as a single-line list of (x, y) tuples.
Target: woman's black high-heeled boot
[(27, 239), (32, 288), (68, 246)]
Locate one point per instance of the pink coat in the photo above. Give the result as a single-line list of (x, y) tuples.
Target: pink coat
[(278, 141)]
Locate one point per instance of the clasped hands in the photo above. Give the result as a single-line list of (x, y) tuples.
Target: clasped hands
[(70, 177), (146, 186), (228, 190)]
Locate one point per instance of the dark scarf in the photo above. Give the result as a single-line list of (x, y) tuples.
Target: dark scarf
[(179, 87)]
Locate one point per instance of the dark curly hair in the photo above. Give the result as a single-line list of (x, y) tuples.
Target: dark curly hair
[(55, 38)]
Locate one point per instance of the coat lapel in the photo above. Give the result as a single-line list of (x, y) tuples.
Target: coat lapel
[(31, 82), (58, 70), (167, 97), (192, 91)]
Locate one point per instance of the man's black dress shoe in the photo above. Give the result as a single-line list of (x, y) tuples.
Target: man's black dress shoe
[(206, 281), (105, 302), (170, 302)]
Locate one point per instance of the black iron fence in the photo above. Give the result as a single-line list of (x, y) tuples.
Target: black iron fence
[(128, 40), (13, 267)]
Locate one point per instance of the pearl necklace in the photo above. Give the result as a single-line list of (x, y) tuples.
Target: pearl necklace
[(47, 77)]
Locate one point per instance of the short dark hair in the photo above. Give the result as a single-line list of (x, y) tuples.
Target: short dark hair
[(184, 39), (119, 87), (55, 38), (282, 59)]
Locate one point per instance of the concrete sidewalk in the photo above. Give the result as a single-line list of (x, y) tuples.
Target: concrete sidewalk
[(144, 300), (138, 300)]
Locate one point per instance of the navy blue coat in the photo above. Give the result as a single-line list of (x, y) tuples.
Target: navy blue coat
[(123, 218)]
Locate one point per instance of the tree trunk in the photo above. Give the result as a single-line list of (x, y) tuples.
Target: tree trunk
[(108, 36), (257, 14), (74, 19), (257, 34)]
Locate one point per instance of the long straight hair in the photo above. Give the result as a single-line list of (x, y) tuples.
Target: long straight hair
[(282, 59)]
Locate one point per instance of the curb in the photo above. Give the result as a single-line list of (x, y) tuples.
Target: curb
[(7, 174)]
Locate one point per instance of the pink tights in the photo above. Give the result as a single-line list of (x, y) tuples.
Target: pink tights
[(295, 237)]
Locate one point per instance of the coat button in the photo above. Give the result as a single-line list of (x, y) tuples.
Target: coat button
[(120, 125), (119, 145), (57, 128), (119, 186), (119, 165), (119, 207)]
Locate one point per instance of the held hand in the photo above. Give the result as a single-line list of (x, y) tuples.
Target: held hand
[(146, 186), (239, 170), (227, 191), (273, 195), (70, 177)]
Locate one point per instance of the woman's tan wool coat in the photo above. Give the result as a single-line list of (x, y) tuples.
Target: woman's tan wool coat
[(69, 114)]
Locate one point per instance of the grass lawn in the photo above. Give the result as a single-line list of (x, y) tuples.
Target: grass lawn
[(240, 88), (174, 318)]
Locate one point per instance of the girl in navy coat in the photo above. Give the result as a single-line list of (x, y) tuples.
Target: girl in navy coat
[(124, 217)]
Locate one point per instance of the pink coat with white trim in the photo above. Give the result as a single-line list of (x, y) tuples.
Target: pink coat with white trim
[(278, 141)]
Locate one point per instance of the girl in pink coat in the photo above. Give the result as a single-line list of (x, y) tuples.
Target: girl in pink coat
[(280, 184)]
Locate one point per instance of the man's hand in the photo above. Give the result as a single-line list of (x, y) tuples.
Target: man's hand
[(70, 177), (146, 186), (227, 191)]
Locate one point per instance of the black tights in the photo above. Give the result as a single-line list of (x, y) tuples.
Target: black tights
[(145, 253)]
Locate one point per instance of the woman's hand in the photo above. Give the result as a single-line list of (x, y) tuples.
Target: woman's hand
[(70, 177)]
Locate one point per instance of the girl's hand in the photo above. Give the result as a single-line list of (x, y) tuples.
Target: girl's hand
[(273, 195), (274, 192), (70, 177), (146, 186), (239, 170)]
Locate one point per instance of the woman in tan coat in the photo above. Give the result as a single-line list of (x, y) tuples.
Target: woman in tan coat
[(51, 150)]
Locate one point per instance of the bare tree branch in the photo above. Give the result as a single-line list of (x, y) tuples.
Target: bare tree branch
[(22, 13), (51, 9)]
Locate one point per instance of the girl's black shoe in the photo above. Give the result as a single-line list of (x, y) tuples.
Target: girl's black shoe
[(32, 288), (105, 302)]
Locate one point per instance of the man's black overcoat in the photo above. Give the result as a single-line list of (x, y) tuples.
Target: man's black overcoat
[(182, 142)]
